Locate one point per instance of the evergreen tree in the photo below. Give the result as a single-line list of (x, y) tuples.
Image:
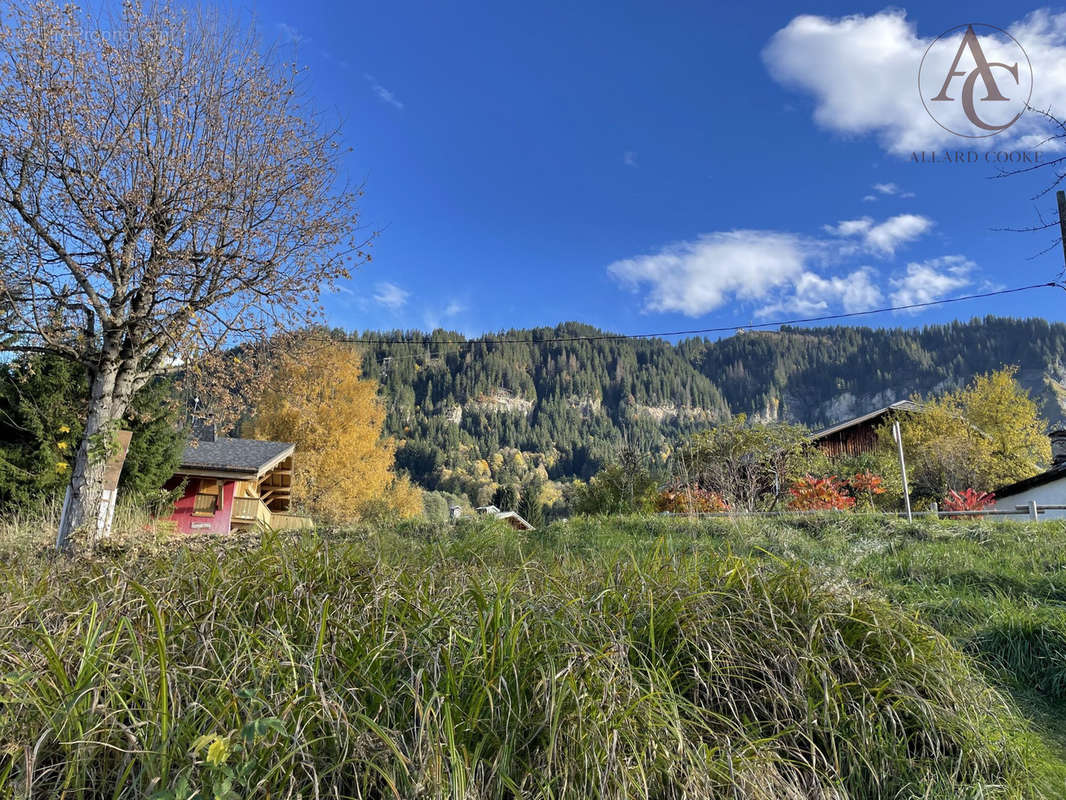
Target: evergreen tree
[(530, 507), (43, 402), (506, 498)]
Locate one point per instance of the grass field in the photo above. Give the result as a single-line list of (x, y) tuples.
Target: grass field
[(818, 657)]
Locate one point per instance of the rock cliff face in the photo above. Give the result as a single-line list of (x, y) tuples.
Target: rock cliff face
[(500, 400), (664, 412)]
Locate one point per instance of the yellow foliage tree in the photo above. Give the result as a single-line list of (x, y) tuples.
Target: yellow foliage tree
[(318, 399), (983, 436), (1015, 433)]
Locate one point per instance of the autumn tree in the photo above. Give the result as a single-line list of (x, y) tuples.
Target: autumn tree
[(318, 400), (746, 463), (1010, 421), (988, 434), (165, 193)]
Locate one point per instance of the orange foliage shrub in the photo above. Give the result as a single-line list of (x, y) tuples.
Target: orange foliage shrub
[(819, 494), (688, 501)]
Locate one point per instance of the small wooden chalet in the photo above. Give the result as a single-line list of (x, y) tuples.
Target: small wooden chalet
[(858, 435), (234, 484)]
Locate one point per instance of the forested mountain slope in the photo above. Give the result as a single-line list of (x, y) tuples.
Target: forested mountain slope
[(565, 404)]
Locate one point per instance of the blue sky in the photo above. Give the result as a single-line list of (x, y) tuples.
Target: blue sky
[(646, 167)]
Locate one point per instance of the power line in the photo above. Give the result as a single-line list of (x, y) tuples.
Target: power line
[(696, 331)]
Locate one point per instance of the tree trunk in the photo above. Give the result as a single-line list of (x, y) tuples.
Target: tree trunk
[(108, 401)]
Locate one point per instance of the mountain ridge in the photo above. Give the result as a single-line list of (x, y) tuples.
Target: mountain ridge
[(575, 401)]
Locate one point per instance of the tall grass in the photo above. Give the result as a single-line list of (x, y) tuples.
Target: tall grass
[(477, 663)]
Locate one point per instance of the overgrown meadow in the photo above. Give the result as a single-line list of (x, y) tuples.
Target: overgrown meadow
[(824, 657)]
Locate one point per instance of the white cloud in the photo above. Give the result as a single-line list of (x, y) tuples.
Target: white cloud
[(850, 227), (699, 276), (390, 295), (453, 308), (931, 280), (629, 158), (869, 198), (815, 294), (779, 272), (862, 72), (884, 238), (383, 94), (890, 189), (895, 231)]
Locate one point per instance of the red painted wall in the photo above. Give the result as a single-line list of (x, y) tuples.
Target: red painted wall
[(219, 522)]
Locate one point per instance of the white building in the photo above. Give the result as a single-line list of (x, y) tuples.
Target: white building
[(1047, 488)]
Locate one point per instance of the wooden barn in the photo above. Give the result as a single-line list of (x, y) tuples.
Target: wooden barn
[(234, 484), (858, 435)]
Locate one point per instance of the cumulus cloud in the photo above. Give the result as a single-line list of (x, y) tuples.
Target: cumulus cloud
[(383, 94), (780, 272), (862, 73), (815, 294), (895, 231), (699, 276), (390, 295), (930, 280), (884, 238)]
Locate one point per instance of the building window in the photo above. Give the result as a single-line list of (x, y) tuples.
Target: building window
[(206, 500)]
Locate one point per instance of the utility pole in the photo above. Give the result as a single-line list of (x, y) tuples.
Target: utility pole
[(1061, 196), (903, 465)]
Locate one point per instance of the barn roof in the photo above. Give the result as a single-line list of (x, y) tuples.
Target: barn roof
[(242, 457), (899, 405)]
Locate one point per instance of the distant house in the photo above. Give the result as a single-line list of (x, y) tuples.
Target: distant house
[(858, 435), (512, 518), (234, 484), (1047, 488)]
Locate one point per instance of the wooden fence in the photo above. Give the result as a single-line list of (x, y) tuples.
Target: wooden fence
[(1032, 511)]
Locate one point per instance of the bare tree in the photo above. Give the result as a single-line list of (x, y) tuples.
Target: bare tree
[(164, 193), (1050, 173)]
